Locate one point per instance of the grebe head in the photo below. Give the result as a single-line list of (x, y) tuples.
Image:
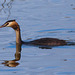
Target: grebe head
[(15, 26), (11, 23)]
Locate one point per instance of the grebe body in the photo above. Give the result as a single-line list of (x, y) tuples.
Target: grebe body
[(42, 41), (48, 42)]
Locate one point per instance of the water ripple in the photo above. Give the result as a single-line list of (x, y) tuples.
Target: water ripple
[(66, 73), (69, 30)]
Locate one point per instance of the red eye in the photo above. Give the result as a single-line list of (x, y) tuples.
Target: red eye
[(7, 23)]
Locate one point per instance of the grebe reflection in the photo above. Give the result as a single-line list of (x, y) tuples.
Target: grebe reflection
[(14, 63)]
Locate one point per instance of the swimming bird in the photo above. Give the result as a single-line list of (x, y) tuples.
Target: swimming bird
[(42, 41)]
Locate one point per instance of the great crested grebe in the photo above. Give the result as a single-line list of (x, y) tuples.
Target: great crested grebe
[(42, 41)]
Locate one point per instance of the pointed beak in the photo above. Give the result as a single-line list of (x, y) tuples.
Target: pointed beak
[(2, 26)]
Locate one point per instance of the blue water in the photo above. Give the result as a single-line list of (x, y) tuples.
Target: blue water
[(38, 19)]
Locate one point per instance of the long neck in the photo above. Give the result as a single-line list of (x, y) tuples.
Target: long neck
[(18, 36), (16, 27)]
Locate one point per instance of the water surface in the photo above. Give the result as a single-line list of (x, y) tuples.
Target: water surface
[(37, 19)]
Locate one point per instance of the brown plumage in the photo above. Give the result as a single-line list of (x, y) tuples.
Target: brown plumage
[(42, 41), (49, 42)]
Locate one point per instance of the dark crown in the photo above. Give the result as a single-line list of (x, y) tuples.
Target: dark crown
[(10, 20)]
